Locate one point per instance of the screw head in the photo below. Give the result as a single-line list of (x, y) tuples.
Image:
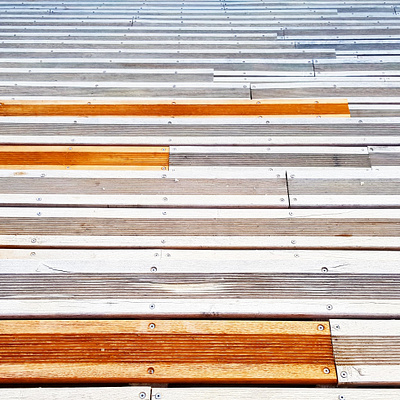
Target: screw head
[(341, 397), (327, 371), (329, 307), (150, 370), (152, 326), (158, 396), (293, 241), (39, 214), (324, 269), (33, 240), (33, 253), (321, 327), (152, 306), (153, 269), (337, 326), (142, 395), (38, 199), (343, 374)]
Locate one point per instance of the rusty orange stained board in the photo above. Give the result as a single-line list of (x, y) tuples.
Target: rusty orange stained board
[(84, 157), (182, 108), (285, 352)]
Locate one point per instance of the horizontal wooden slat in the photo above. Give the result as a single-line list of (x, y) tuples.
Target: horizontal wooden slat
[(63, 157), (132, 351), (339, 189), (71, 393), (179, 108), (236, 393)]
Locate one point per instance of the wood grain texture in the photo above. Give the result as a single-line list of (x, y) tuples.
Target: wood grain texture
[(204, 351), (242, 393), (83, 156), (71, 393), (367, 352), (179, 108)]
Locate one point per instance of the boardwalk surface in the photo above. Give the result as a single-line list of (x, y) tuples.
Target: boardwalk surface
[(199, 193)]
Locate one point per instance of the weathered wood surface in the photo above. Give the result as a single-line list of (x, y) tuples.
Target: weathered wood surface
[(336, 188), (199, 228), (163, 131), (237, 393), (134, 351), (70, 393), (146, 189), (367, 352)]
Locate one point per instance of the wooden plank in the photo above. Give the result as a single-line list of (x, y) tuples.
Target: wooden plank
[(326, 107), (172, 261), (71, 393), (338, 189), (63, 157), (283, 157), (367, 352), (141, 190), (384, 156), (248, 393), (132, 351), (133, 228), (161, 131)]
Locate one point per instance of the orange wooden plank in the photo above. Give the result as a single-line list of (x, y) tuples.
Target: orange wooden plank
[(288, 107), (109, 157), (166, 351)]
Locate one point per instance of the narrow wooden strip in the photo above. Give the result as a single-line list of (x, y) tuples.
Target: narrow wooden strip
[(266, 107), (81, 156), (121, 351), (71, 393), (248, 393)]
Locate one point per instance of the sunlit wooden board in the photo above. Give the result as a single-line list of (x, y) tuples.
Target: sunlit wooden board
[(81, 157), (73, 393), (137, 351), (305, 107), (367, 352)]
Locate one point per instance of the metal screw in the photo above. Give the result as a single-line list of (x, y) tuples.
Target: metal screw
[(39, 214), (164, 213), (293, 242), (321, 327), (158, 396), (153, 269), (163, 241), (291, 214), (165, 198), (296, 255), (324, 269), (168, 255), (294, 198), (152, 306), (337, 326), (341, 397), (33, 240), (42, 175), (150, 370), (152, 326), (327, 370), (329, 307), (38, 199), (142, 395), (292, 176), (282, 199), (343, 374), (156, 254), (33, 253)]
